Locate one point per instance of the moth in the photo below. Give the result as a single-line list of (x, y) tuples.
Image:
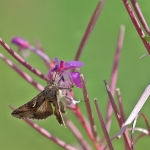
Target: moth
[(43, 105)]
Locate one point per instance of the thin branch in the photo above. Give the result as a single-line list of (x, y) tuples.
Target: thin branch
[(121, 109), (118, 116), (146, 121), (22, 61), (136, 24), (80, 117), (22, 74), (134, 124), (89, 28), (139, 137), (144, 133), (77, 134), (114, 75), (140, 16), (136, 110), (50, 64), (89, 110), (48, 135), (40, 53), (103, 126), (114, 137)]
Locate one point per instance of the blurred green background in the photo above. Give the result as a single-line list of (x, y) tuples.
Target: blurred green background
[(59, 25)]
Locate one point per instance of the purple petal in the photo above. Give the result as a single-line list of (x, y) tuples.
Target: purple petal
[(56, 68), (20, 42), (75, 101), (76, 78), (62, 65), (73, 65), (57, 61)]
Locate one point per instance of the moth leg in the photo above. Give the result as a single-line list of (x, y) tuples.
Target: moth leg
[(57, 112), (62, 107)]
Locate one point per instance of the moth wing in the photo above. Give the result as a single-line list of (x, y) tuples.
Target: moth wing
[(38, 108), (57, 112), (62, 107), (44, 111)]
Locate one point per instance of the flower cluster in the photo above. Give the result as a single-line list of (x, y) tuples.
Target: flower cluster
[(69, 78)]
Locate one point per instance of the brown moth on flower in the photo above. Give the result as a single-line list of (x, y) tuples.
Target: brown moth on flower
[(40, 107), (59, 86)]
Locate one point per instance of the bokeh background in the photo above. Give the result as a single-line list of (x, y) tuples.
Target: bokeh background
[(59, 25)]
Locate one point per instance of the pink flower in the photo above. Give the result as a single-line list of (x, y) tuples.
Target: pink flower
[(20, 42), (69, 78)]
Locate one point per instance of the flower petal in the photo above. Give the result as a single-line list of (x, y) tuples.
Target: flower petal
[(68, 78), (76, 78), (73, 65), (57, 61), (73, 101), (20, 42), (62, 65)]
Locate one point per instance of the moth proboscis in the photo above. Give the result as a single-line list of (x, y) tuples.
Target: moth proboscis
[(40, 107)]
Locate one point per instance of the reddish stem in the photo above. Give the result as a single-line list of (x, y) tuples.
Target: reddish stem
[(22, 61), (50, 64), (86, 128), (48, 135), (22, 74), (140, 16), (103, 126), (114, 75), (77, 134), (121, 109), (136, 24), (118, 116), (89, 28), (89, 110)]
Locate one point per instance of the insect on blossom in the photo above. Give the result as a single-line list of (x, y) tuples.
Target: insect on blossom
[(59, 86)]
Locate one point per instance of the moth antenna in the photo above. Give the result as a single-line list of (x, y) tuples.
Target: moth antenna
[(55, 76), (60, 79), (67, 88)]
